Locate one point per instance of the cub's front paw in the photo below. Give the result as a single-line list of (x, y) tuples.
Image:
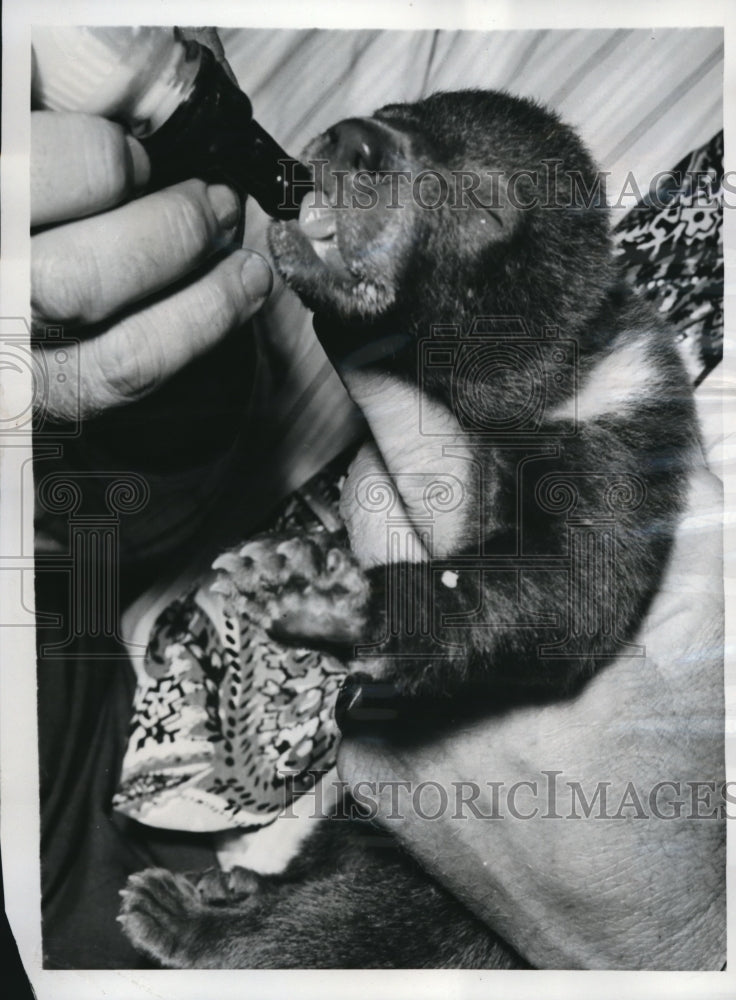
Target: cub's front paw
[(299, 588), (160, 914)]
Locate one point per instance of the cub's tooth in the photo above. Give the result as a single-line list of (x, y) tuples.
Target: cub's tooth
[(306, 213), (317, 221), (229, 561)]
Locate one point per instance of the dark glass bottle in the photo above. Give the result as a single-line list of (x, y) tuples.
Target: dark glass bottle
[(176, 99)]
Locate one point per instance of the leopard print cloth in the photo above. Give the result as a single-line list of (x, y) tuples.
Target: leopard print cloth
[(671, 246)]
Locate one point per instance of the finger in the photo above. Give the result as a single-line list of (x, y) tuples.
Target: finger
[(81, 164), (86, 271), (131, 358)]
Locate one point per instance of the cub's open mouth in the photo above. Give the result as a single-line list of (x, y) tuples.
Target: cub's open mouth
[(319, 225)]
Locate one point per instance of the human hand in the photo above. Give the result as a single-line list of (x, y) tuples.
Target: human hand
[(637, 891), (146, 282)]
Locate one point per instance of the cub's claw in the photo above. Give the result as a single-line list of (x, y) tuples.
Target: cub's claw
[(225, 888)]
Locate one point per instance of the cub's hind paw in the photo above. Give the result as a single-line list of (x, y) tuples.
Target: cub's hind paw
[(298, 588), (159, 914)]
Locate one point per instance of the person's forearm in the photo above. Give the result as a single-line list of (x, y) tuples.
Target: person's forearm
[(640, 882)]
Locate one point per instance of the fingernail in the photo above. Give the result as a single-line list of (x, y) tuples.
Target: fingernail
[(225, 204), (257, 276), (140, 162)]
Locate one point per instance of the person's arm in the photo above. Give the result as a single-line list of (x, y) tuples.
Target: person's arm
[(639, 883)]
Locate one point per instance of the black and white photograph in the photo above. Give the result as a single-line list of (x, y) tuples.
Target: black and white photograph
[(365, 428)]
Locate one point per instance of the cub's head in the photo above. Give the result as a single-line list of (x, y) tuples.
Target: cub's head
[(462, 204)]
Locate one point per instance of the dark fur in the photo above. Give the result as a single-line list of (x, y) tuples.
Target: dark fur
[(353, 900)]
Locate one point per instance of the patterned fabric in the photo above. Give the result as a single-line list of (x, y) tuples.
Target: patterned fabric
[(672, 247), (229, 725)]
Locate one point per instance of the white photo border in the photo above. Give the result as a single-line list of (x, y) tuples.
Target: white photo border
[(20, 820)]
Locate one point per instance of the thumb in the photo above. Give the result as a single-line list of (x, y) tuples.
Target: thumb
[(132, 357)]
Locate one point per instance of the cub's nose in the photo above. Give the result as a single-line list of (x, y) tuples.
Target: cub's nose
[(356, 144)]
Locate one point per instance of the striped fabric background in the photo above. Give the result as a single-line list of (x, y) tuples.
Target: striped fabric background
[(640, 99)]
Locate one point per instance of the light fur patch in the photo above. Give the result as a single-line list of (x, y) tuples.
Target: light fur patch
[(424, 456), (269, 849), (619, 380)]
